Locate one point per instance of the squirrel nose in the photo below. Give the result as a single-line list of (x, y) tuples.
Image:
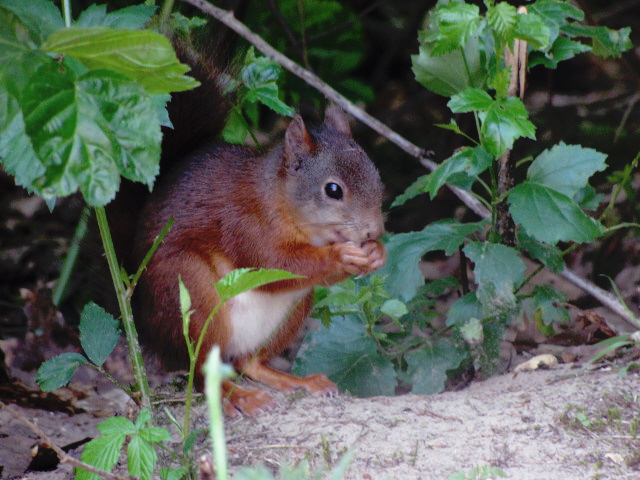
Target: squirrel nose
[(374, 229)]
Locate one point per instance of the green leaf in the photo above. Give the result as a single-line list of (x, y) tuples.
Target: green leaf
[(549, 216), (605, 42), (498, 270), (555, 14), (532, 29), (16, 150), (418, 187), (116, 426), (99, 333), (463, 309), (156, 434), (87, 131), (405, 251), (141, 55), (244, 279), (455, 23), (546, 304), (235, 131), (173, 473), (503, 123), (259, 75), (566, 168), (57, 371), (394, 308), (472, 331), (40, 17), (562, 49), (470, 161), (141, 458), (469, 100), (133, 18), (427, 368), (452, 72), (143, 418), (550, 255), (103, 453), (502, 20), (348, 356)]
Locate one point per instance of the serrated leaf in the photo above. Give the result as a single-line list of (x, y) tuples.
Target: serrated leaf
[(116, 426), (87, 131), (498, 270), (40, 17), (406, 249), (244, 279), (469, 100), (427, 368), (503, 123), (16, 150), (57, 371), (347, 356), (103, 453), (562, 49), (141, 55), (133, 17), (141, 458), (451, 72), (547, 301), (418, 187), (173, 473), (144, 417), (470, 161), (455, 22), (268, 95), (605, 41), (156, 434), (532, 29), (550, 255), (566, 168), (99, 333), (550, 216), (502, 19)]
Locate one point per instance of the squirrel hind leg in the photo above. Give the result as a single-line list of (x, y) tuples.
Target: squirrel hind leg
[(255, 369)]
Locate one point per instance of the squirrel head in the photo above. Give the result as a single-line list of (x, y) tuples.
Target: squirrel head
[(333, 186)]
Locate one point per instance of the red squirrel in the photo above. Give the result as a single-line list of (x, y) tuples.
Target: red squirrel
[(311, 205)]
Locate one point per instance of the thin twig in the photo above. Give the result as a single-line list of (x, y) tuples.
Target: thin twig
[(62, 455), (469, 200)]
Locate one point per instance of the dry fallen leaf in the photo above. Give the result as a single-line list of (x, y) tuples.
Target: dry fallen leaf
[(539, 361)]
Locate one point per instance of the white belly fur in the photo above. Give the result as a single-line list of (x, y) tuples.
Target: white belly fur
[(255, 316)]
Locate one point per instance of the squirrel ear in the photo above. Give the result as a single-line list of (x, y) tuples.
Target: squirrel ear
[(336, 119), (297, 144)]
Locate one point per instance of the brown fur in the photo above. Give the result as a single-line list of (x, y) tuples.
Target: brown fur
[(234, 207)]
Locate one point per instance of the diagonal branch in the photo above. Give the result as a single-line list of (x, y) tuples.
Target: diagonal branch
[(469, 200)]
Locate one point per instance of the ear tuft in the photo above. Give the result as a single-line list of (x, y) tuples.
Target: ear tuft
[(297, 144), (336, 119)]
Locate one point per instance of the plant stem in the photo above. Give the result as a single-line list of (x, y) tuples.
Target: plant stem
[(124, 303), (213, 391), (167, 8), (71, 258), (193, 358), (66, 12)]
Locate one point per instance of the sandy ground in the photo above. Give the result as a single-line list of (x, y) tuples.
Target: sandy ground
[(564, 423)]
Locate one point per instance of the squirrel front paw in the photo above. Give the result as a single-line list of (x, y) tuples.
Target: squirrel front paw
[(360, 260)]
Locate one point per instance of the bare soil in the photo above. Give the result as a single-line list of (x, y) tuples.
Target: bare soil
[(564, 423)]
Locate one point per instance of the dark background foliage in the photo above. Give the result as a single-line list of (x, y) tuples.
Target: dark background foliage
[(363, 48)]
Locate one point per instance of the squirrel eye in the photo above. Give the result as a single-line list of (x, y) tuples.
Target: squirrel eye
[(333, 190)]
